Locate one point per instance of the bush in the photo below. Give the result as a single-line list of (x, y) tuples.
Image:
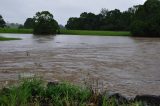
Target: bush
[(45, 24)]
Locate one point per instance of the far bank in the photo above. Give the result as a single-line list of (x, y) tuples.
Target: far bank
[(69, 32)]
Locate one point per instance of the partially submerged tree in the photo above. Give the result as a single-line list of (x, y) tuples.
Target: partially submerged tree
[(45, 24), (2, 22)]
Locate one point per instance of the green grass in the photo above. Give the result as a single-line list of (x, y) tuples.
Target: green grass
[(16, 31), (70, 32), (34, 92), (6, 39), (99, 33)]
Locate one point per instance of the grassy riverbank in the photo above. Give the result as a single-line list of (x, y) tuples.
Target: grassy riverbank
[(6, 39), (70, 32), (99, 33), (16, 30), (36, 93)]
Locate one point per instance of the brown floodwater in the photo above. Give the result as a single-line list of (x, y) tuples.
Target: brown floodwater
[(125, 65)]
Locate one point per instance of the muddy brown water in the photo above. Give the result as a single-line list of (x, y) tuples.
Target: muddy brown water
[(125, 65)]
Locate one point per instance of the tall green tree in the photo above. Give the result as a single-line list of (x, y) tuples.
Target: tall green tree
[(2, 22), (45, 23), (86, 21), (104, 12), (29, 23), (146, 21), (106, 20), (73, 23)]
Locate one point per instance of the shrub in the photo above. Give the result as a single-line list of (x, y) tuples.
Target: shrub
[(44, 23)]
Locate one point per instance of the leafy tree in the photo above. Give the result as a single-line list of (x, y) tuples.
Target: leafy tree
[(20, 27), (86, 21), (104, 12), (138, 28), (146, 21), (112, 20), (106, 20), (133, 9), (89, 21), (45, 24), (29, 23), (2, 22), (73, 23)]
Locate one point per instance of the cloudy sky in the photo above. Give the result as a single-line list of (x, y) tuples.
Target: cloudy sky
[(18, 10)]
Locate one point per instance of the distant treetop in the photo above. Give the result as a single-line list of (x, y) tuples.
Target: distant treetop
[(146, 21), (2, 22), (29, 23)]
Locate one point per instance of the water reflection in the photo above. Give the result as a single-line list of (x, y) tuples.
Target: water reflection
[(43, 38)]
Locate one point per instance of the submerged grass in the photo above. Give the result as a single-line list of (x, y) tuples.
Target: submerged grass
[(6, 39), (33, 92), (98, 33)]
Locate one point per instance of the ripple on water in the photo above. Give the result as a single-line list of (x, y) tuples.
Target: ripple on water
[(125, 64)]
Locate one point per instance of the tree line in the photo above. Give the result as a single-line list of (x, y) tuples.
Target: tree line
[(140, 20), (146, 20), (42, 23), (106, 20)]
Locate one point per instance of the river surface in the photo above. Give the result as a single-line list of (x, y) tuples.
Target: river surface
[(125, 65)]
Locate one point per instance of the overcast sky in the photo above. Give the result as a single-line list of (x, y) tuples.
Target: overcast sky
[(17, 11)]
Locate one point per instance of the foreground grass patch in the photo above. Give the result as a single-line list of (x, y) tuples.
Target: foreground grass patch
[(16, 30), (34, 93), (6, 39), (99, 33)]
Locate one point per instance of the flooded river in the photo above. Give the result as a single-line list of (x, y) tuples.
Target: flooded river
[(123, 64)]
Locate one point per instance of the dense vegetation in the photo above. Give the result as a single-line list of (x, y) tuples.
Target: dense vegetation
[(113, 20), (2, 22), (29, 23), (146, 20), (141, 20), (44, 23), (33, 92)]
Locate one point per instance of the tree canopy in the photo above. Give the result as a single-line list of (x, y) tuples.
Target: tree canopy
[(2, 22), (29, 23), (105, 20), (146, 21), (44, 23), (141, 20)]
